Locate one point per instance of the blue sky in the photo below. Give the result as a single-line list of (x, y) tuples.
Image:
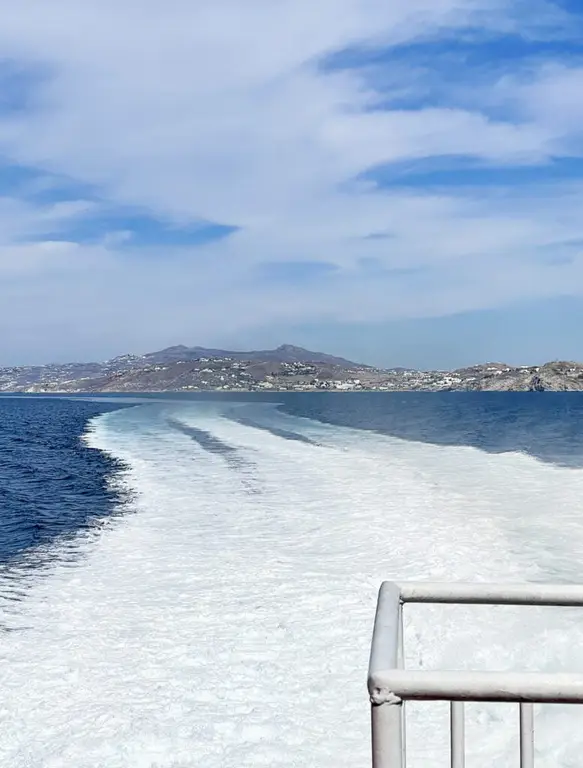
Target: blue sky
[(398, 182)]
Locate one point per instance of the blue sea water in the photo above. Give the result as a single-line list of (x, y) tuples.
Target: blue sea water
[(549, 428), (190, 580), (53, 485)]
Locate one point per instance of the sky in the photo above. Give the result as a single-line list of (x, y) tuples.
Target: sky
[(398, 182)]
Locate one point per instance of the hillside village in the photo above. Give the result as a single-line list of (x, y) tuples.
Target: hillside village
[(287, 368)]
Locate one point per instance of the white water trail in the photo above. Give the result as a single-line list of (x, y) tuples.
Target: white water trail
[(226, 622)]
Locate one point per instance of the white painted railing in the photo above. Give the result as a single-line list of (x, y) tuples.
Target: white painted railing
[(390, 685)]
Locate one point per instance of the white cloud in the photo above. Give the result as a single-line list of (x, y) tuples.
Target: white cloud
[(20, 220), (552, 98), (220, 110), (217, 108)]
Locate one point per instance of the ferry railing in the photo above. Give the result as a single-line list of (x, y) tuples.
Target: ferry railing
[(390, 685)]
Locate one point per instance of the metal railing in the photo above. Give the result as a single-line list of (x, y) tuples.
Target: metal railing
[(390, 685)]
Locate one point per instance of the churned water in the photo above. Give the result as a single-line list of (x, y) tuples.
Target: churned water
[(192, 581)]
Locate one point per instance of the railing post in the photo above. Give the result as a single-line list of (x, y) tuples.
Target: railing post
[(457, 734), (385, 655), (387, 733), (526, 735), (401, 664)]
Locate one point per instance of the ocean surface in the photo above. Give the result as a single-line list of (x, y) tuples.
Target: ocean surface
[(191, 580)]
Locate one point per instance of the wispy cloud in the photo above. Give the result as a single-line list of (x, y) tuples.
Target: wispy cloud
[(273, 152)]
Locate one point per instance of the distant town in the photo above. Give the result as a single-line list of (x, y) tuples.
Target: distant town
[(287, 368)]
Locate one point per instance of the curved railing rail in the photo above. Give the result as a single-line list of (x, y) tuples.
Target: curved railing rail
[(390, 685)]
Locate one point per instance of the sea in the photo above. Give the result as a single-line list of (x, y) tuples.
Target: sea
[(190, 580)]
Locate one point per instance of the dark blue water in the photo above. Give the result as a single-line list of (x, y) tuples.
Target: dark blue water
[(51, 484), (547, 426)]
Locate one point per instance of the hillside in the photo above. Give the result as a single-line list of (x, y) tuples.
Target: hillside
[(146, 368), (286, 353), (179, 369)]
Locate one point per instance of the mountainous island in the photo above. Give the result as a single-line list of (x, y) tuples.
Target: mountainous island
[(287, 368)]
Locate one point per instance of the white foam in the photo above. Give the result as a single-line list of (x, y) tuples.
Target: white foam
[(227, 622)]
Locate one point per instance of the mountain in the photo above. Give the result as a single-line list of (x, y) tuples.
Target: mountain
[(139, 369), (286, 353)]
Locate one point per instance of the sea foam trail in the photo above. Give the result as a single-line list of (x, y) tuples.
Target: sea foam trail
[(227, 622)]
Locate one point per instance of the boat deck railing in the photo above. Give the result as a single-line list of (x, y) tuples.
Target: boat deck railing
[(390, 685)]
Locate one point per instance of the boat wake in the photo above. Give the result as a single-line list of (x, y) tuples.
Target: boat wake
[(227, 622)]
